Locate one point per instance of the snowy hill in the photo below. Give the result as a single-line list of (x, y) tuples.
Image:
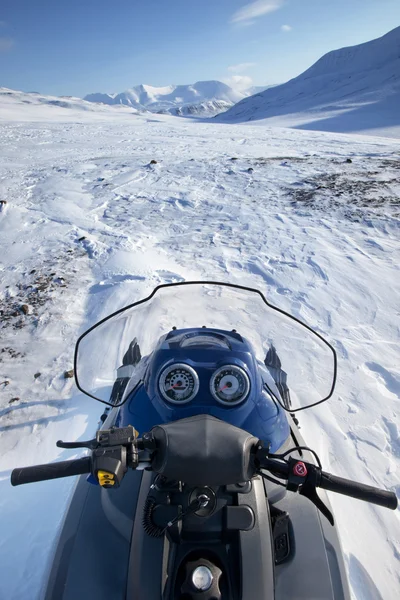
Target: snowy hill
[(101, 98), (355, 89), (33, 106), (157, 99)]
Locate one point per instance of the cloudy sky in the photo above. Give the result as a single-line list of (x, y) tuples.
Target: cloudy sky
[(75, 47)]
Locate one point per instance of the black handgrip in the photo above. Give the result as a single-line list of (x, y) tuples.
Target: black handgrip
[(66, 468), (358, 490)]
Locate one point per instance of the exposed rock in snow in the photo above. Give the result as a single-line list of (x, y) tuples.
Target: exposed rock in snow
[(204, 109)]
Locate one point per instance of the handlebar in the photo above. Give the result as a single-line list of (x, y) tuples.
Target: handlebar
[(330, 482), (115, 450), (66, 468), (360, 491)]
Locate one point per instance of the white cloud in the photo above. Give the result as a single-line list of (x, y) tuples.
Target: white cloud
[(239, 83), (256, 9), (241, 67), (6, 44), (286, 28)]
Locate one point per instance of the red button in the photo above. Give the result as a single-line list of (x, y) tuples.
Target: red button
[(300, 469)]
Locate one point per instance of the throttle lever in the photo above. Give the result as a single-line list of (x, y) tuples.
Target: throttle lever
[(308, 489), (304, 477)]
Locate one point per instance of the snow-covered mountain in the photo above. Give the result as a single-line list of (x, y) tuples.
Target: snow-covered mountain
[(12, 101), (352, 89), (156, 99)]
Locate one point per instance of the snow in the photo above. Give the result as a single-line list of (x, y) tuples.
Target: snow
[(354, 89), (90, 225), (157, 99), (14, 102)]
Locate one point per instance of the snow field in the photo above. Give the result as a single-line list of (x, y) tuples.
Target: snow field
[(91, 225)]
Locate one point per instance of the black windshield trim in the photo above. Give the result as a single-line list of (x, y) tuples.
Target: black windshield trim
[(216, 283)]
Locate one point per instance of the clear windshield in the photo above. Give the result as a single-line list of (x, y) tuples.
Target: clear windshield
[(308, 359)]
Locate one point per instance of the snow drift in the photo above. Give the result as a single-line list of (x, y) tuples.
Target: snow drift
[(355, 89)]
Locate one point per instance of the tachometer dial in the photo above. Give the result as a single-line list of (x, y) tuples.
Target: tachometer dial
[(230, 385), (179, 383)]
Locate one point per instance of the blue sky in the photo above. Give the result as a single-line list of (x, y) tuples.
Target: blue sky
[(74, 47)]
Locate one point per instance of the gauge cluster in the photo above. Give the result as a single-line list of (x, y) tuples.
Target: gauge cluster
[(230, 385), (179, 383), (201, 370)]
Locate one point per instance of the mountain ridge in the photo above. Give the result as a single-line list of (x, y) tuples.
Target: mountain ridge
[(351, 89), (155, 99)]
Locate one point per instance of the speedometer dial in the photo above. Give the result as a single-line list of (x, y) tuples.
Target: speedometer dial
[(230, 385), (179, 383)]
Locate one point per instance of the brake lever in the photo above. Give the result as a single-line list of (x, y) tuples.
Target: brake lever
[(115, 436), (90, 444)]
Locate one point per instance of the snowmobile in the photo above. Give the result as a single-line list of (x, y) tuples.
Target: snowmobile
[(198, 484)]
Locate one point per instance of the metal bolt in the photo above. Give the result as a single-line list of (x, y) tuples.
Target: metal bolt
[(202, 578)]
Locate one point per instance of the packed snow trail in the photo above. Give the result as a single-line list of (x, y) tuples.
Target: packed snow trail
[(102, 209)]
